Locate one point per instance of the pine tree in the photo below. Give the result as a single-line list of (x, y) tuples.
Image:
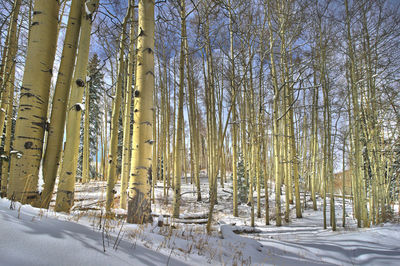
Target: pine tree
[(96, 85)]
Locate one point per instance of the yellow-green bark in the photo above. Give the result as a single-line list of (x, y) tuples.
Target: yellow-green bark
[(66, 185), (234, 118), (7, 143), (314, 144), (194, 133), (127, 117), (112, 155), (179, 128), (52, 154), (277, 170), (34, 96), (359, 213), (9, 68), (139, 203)]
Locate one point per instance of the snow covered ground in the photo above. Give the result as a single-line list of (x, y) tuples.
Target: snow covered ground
[(31, 236)]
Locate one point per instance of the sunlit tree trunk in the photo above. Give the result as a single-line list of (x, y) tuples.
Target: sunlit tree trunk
[(127, 115), (356, 127), (53, 152), (33, 104), (179, 128), (139, 204), (234, 119), (314, 143), (194, 135), (112, 155), (9, 68), (66, 185), (277, 169), (7, 143), (7, 93), (294, 154), (344, 181)]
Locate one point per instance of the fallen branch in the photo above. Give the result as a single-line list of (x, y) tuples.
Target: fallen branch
[(190, 221)]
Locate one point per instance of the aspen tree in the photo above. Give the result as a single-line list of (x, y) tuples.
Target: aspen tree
[(165, 105), (65, 191), (3, 61), (7, 92), (327, 158), (53, 151), (344, 181), (234, 117), (266, 175), (253, 133), (127, 117), (31, 121), (154, 167), (219, 99), (314, 142), (61, 15), (163, 119), (139, 205), (194, 132), (191, 146), (293, 154), (174, 122), (306, 162), (372, 129), (356, 131), (214, 185), (277, 170), (242, 134), (285, 123), (168, 133), (112, 155), (7, 143), (260, 135), (179, 129), (212, 136), (9, 67)]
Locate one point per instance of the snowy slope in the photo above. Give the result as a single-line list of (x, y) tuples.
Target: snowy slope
[(31, 236), (34, 240)]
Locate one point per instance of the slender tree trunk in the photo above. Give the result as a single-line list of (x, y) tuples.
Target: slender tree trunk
[(139, 204), (356, 120), (113, 150), (9, 68), (314, 144), (127, 116), (52, 154), (179, 129), (66, 185), (344, 182), (277, 172), (234, 124), (7, 143)]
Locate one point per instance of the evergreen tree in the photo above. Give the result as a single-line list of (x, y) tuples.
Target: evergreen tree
[(95, 84)]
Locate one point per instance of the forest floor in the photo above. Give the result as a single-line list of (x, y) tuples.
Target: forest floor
[(33, 236)]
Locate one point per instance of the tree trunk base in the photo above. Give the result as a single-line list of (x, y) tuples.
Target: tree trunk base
[(139, 209)]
